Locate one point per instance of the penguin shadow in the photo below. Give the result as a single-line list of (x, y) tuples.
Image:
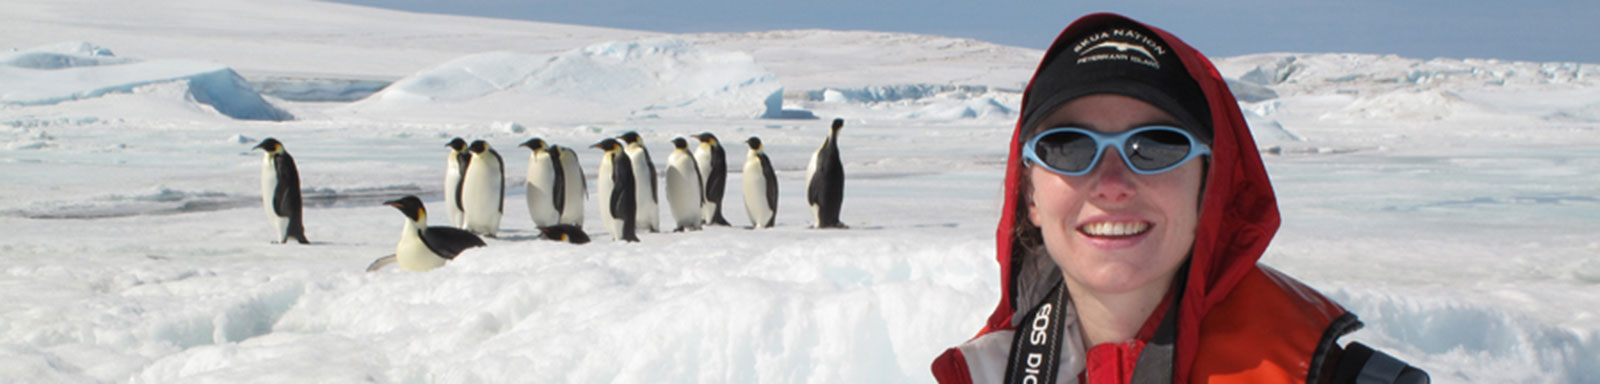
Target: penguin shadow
[(313, 243)]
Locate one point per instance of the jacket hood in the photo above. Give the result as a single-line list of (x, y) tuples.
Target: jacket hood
[(1238, 213)]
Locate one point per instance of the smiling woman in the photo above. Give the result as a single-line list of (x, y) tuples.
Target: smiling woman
[(1136, 209)]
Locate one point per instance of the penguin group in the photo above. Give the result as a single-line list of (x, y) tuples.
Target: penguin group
[(475, 185)]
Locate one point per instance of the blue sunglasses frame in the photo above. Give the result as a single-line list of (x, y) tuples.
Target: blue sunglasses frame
[(1116, 140)]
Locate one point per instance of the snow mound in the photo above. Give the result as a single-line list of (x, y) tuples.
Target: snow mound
[(63, 55), (77, 71), (980, 108), (932, 101), (660, 77), (1328, 73), (1426, 105), (1427, 333)]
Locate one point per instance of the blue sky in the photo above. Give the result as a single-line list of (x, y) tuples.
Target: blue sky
[(1536, 30)]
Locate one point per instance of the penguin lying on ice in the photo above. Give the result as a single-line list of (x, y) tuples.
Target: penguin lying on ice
[(422, 247), (564, 233)]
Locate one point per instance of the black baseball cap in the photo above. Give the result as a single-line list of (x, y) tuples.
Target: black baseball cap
[(1110, 54)]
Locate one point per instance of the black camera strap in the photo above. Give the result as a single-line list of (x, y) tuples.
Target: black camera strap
[(1036, 347)]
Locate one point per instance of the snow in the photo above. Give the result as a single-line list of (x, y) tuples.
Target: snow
[(658, 77), (1448, 202)]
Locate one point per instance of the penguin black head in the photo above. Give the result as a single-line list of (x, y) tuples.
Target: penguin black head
[(680, 143), (629, 137), (607, 145), (409, 205), (706, 137), (270, 145), (457, 144), (754, 142), (534, 144), (837, 123), (478, 146)]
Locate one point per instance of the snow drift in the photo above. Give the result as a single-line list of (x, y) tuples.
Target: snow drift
[(75, 71), (659, 77)]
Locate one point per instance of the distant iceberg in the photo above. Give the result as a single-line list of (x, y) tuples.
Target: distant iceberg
[(74, 71)]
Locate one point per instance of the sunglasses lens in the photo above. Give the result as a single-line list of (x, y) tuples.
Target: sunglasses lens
[(1156, 149), (1066, 151)]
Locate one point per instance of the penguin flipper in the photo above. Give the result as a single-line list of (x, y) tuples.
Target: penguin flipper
[(502, 163), (558, 189), (462, 160), (694, 166), (815, 193), (288, 185), (772, 187), (652, 166), (717, 181), (286, 199), (448, 242), (381, 262)]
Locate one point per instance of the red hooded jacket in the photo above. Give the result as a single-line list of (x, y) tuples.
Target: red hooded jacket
[(1236, 320)]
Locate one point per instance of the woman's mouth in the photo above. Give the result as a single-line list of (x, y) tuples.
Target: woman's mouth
[(1115, 229)]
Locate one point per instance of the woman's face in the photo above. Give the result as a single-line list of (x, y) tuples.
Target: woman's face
[(1113, 231)]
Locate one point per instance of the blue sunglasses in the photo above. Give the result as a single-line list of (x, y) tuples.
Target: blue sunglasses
[(1146, 150)]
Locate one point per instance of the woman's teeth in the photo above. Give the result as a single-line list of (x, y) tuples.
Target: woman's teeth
[(1113, 229)]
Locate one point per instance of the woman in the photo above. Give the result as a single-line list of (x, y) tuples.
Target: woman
[(1136, 209)]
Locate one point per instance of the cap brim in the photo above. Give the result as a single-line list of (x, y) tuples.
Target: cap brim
[(1118, 86)]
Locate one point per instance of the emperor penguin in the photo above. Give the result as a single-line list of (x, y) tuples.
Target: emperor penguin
[(546, 192), (825, 181), (422, 247), (616, 190), (644, 174), (684, 195), (760, 186), (280, 192), (576, 185), (565, 233), (483, 190), (713, 163), (455, 166)]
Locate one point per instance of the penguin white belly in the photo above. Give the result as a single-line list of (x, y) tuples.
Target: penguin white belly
[(269, 186), (572, 172), (702, 159), (646, 211), (412, 254), (541, 190), (755, 193), (606, 186), (480, 196), (683, 191), (452, 178)]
